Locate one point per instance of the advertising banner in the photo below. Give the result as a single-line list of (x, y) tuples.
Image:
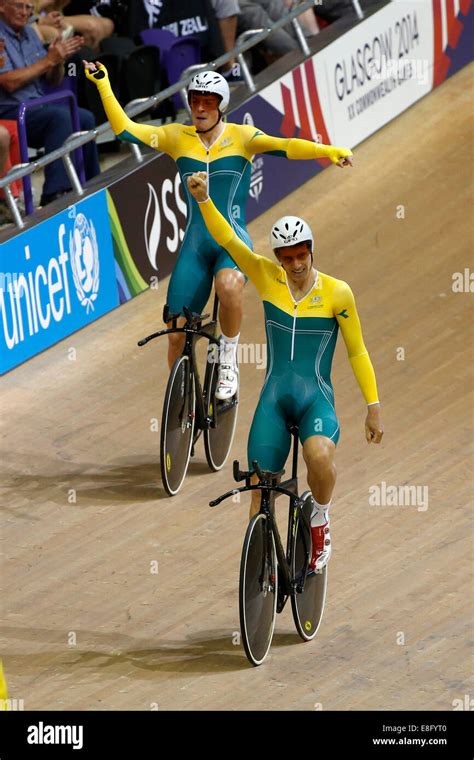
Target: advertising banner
[(148, 218), (54, 279)]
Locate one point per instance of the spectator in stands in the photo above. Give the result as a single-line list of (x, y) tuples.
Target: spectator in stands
[(258, 14), (5, 215), (226, 12), (88, 18), (306, 19), (193, 17), (26, 63), (331, 10), (49, 25)]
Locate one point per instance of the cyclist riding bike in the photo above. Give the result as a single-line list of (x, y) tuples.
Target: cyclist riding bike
[(304, 310), (225, 151)]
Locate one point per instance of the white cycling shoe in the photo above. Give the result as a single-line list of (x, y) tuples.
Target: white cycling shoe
[(227, 382)]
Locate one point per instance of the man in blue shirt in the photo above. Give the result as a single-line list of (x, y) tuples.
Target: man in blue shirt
[(27, 65)]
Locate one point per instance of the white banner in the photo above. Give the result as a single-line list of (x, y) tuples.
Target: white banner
[(361, 81)]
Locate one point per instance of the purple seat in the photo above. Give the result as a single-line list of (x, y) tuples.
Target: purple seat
[(159, 38), (177, 53)]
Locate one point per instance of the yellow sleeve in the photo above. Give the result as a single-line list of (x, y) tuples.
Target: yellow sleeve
[(257, 141), (3, 689), (125, 128), (345, 312), (257, 268)]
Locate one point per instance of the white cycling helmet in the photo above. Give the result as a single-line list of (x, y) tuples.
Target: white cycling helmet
[(290, 230), (211, 82)]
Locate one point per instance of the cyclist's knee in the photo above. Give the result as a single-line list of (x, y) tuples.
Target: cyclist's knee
[(318, 452), (229, 284)]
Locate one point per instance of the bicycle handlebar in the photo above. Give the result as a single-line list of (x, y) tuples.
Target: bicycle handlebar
[(262, 474), (256, 487), (184, 329)]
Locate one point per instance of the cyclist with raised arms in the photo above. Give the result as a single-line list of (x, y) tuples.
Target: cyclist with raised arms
[(304, 310), (225, 151)]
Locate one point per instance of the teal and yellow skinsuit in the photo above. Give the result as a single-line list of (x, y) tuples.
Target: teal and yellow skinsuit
[(228, 162), (301, 338)]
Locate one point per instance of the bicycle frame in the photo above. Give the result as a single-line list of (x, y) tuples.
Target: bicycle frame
[(270, 491), (193, 330)]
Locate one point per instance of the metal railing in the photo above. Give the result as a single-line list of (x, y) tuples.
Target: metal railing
[(245, 42)]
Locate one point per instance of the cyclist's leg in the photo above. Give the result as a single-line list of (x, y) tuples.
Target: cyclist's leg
[(269, 438), (229, 289), (319, 433), (229, 283), (190, 285)]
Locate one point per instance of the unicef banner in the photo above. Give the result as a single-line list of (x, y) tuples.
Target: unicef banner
[(54, 279)]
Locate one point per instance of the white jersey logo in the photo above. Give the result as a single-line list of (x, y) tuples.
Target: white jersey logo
[(84, 258)]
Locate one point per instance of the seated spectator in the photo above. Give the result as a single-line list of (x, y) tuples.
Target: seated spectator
[(331, 10), (49, 26), (307, 19), (5, 215), (26, 64), (260, 14), (226, 12), (84, 16), (193, 17)]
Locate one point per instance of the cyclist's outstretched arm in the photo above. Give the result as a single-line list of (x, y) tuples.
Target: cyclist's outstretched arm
[(294, 148), (122, 126), (256, 267), (345, 312)]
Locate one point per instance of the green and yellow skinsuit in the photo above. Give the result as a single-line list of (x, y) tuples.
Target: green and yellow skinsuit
[(301, 338)]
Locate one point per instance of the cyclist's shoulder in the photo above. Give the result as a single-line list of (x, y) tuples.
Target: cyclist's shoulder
[(333, 282), (334, 287), (248, 132), (176, 131)]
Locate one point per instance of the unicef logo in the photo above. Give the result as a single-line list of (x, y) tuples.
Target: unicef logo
[(84, 258)]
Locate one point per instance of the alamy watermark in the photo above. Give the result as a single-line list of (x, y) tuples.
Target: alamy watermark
[(247, 353), (385, 495)]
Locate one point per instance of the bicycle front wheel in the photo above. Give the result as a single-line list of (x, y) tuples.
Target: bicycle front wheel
[(258, 589), (223, 414), (177, 425), (307, 605)]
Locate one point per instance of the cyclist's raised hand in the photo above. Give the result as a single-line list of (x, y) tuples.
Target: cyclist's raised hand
[(197, 184), (95, 72)]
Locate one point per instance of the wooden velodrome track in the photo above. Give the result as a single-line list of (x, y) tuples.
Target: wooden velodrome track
[(86, 624)]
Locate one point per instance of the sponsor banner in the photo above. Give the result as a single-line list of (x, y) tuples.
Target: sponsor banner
[(129, 281), (148, 220), (374, 72), (54, 279), (453, 32), (377, 70)]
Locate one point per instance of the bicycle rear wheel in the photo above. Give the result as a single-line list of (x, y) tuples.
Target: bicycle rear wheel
[(258, 589), (307, 605), (177, 425), (218, 438)]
